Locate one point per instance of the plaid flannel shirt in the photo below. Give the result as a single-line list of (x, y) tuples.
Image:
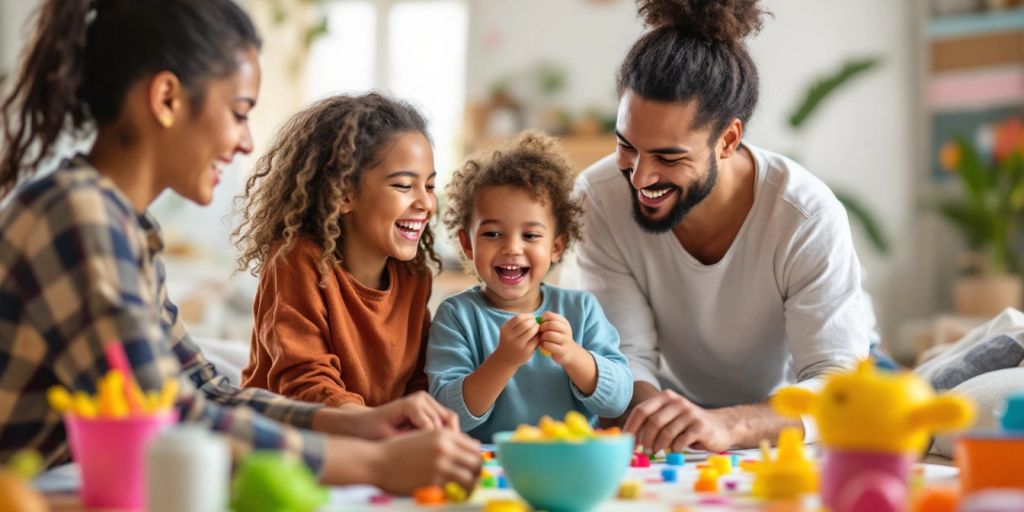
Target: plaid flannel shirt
[(79, 269)]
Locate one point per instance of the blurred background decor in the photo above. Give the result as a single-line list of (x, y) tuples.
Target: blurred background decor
[(988, 211)]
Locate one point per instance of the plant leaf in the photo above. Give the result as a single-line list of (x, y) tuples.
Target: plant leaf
[(872, 229), (824, 87)]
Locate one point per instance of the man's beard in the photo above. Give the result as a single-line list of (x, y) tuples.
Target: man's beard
[(687, 201)]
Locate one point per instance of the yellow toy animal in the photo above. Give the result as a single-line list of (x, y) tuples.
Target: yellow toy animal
[(873, 426)]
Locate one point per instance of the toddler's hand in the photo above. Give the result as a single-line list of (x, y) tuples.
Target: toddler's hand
[(517, 340), (556, 337)]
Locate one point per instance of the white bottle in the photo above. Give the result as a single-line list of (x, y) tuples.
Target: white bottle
[(188, 468)]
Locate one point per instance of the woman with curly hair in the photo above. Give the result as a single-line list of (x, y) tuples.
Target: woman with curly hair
[(513, 349), (336, 225)]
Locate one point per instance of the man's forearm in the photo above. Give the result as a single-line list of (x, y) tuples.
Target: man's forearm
[(749, 424)]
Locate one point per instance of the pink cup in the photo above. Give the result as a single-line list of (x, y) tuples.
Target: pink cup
[(111, 457)]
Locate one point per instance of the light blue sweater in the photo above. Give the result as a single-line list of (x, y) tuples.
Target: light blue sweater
[(465, 332)]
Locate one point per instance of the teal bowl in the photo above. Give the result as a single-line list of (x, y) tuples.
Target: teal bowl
[(561, 476)]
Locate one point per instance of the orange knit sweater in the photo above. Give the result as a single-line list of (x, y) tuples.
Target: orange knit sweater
[(345, 343)]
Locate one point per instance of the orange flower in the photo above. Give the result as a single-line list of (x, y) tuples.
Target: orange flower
[(949, 156), (1009, 137)]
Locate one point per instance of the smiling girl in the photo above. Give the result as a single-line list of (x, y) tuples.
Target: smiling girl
[(336, 224)]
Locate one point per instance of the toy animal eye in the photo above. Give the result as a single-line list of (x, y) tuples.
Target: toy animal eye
[(839, 397)]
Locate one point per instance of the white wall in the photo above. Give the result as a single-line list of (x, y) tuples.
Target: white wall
[(13, 31), (862, 140)]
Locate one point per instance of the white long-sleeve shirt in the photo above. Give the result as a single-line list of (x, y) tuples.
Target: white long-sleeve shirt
[(783, 306)]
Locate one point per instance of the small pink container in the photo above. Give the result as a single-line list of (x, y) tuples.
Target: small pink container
[(111, 457)]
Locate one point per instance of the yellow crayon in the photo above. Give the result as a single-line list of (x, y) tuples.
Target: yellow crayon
[(169, 394), (112, 398), (84, 406), (59, 398)]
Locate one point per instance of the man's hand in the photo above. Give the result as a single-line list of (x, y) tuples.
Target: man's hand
[(670, 422)]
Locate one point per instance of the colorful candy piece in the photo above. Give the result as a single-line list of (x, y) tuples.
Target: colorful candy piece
[(935, 499), (553, 429), (675, 459), (629, 490), (432, 495), (640, 461), (578, 425), (455, 493), (721, 463), (543, 352), (707, 481), (380, 499), (488, 482), (668, 474), (505, 506)]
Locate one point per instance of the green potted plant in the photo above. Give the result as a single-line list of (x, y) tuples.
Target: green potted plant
[(988, 214)]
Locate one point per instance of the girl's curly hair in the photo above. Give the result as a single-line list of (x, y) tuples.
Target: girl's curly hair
[(296, 188), (533, 162)]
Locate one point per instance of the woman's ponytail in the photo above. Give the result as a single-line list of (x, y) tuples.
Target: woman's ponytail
[(45, 93)]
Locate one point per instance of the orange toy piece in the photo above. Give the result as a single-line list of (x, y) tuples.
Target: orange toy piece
[(432, 495), (935, 499), (707, 481)]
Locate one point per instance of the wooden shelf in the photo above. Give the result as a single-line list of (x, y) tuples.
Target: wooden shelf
[(968, 25)]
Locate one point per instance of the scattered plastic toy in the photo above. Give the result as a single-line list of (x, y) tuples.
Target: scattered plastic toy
[(675, 459), (873, 425), (505, 506), (544, 352), (273, 482), (668, 475), (640, 460), (455, 493), (707, 481), (629, 490), (432, 495), (16, 492), (721, 463), (790, 475), (935, 499)]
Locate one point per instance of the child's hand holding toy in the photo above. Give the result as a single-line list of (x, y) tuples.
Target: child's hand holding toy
[(556, 338), (517, 340)]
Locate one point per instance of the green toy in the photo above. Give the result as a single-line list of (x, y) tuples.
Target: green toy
[(272, 482)]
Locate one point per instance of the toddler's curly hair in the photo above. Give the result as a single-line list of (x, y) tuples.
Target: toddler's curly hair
[(296, 188), (533, 162)]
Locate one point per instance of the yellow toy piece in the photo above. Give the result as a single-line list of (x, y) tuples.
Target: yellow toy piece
[(527, 433), (578, 425), (629, 490), (867, 410), (554, 430), (112, 399), (721, 463), (455, 493), (16, 492), (505, 506), (790, 475), (707, 481)]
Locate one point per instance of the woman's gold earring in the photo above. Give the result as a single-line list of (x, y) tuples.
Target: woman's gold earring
[(165, 121)]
